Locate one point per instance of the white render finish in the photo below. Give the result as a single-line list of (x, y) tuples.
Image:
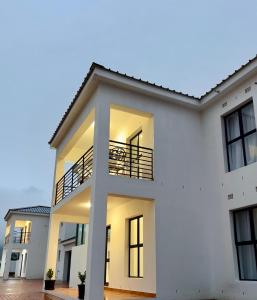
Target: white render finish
[(67, 241), (193, 241), (32, 254), (78, 264)]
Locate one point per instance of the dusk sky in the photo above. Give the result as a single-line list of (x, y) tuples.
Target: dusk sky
[(47, 47)]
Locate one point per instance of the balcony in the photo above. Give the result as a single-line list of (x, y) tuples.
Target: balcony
[(124, 160), (21, 237), (75, 176), (130, 160)]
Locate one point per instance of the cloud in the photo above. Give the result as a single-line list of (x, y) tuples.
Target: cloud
[(15, 198)]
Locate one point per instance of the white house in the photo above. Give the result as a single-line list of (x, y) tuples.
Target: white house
[(166, 183), (25, 242)]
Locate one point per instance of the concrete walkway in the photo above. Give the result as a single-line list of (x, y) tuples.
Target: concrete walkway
[(18, 289)]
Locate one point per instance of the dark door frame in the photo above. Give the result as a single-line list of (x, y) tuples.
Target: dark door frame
[(107, 259), (131, 139), (21, 267)]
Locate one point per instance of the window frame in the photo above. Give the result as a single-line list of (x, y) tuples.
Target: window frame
[(135, 136), (138, 246), (252, 242), (242, 135), (80, 241)]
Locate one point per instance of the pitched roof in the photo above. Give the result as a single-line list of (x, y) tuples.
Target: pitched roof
[(37, 210), (229, 76), (91, 70), (95, 65)]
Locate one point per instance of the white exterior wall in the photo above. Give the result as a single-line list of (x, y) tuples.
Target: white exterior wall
[(78, 264), (181, 230), (241, 183), (3, 262), (36, 248), (195, 255), (117, 218)]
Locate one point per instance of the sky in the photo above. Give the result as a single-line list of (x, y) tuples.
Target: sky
[(47, 47)]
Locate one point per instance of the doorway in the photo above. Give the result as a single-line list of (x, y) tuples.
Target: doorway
[(135, 154), (107, 255), (66, 267)]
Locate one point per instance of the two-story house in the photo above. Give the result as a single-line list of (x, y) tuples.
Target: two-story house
[(166, 183), (25, 242)]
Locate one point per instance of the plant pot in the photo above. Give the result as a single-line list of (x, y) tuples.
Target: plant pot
[(49, 284), (81, 289)]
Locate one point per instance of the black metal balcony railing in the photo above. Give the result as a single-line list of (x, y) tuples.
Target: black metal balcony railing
[(75, 176), (130, 160), (124, 159), (21, 237)]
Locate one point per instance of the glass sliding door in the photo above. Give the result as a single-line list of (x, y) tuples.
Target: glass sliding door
[(135, 143)]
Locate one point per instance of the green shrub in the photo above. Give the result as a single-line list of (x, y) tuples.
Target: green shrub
[(50, 274), (82, 277)]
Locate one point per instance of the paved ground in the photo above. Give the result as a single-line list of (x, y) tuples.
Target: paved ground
[(23, 290), (17, 289)]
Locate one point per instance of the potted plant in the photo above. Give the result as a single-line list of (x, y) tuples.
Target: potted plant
[(81, 286), (49, 283)]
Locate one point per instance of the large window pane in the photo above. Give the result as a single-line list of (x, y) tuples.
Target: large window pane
[(141, 231), (243, 230), (136, 247), (232, 125), (247, 263), (133, 262), (133, 232), (236, 157), (79, 234), (255, 221), (248, 118), (251, 148), (141, 260)]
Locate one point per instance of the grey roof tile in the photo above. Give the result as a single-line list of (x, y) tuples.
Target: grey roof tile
[(38, 210)]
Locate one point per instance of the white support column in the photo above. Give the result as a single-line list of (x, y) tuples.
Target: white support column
[(9, 252), (97, 222), (52, 245), (96, 247), (3, 262)]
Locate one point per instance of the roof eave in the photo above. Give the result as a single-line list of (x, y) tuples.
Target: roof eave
[(11, 212), (228, 84), (99, 74)]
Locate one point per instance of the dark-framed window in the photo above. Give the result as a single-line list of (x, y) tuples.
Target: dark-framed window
[(136, 247), (245, 228), (15, 256), (241, 137), (80, 234), (135, 143)]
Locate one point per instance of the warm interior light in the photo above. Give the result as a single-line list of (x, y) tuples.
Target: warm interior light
[(88, 205), (121, 137), (92, 124)]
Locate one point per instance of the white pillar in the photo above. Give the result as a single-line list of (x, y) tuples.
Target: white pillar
[(52, 244), (3, 263), (96, 247), (97, 222), (9, 252)]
